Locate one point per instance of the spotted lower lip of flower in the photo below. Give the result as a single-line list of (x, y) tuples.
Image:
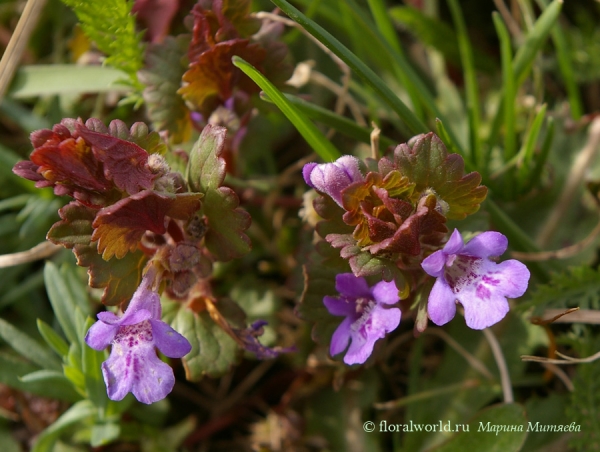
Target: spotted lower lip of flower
[(133, 365), (332, 178), (367, 317), (466, 275)]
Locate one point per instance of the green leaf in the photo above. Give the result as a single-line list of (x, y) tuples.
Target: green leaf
[(62, 301), (119, 277), (52, 338), (583, 408), (111, 25), (366, 74), (28, 347), (479, 437), (225, 237), (426, 162), (206, 168), (340, 123), (575, 287), (79, 412), (321, 145), (168, 439), (103, 434), (75, 226), (547, 410), (13, 368), (213, 350), (165, 65), (44, 80), (319, 281), (8, 443)]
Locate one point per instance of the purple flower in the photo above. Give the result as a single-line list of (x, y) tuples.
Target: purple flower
[(367, 318), (466, 275), (249, 338), (133, 365), (332, 178)]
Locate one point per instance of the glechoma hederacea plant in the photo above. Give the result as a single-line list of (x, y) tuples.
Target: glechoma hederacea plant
[(389, 224), (202, 258)]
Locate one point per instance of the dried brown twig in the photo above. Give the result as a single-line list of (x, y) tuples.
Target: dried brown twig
[(41, 251)]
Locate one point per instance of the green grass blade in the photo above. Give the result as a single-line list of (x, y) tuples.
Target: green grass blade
[(466, 56), (435, 33), (340, 123), (42, 80), (450, 143), (52, 338), (410, 79), (540, 162), (307, 129), (81, 410), (563, 55), (62, 303), (534, 40), (365, 73), (28, 347), (384, 24), (529, 146), (385, 27), (509, 97)]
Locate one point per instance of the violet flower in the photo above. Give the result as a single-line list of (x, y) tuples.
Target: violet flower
[(332, 178), (466, 275), (367, 318), (133, 365), (249, 337)]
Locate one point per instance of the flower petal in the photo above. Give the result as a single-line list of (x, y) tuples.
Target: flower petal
[(109, 317), (483, 308), (434, 264), (339, 305), (515, 278), (380, 322), (486, 244), (360, 349), (385, 292), (454, 244), (118, 373), (341, 336), (349, 165), (100, 335), (154, 381), (306, 172), (144, 298), (441, 306), (135, 317), (169, 341), (332, 178), (384, 321), (352, 286)]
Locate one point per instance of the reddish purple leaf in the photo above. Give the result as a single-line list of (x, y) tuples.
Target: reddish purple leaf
[(125, 163), (119, 228)]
